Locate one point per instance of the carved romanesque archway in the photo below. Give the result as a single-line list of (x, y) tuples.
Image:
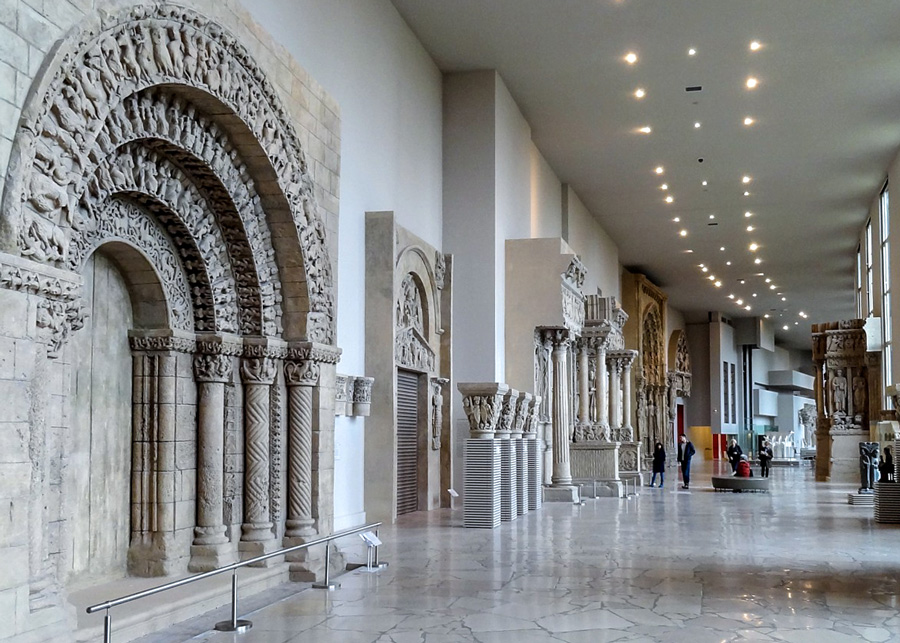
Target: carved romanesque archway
[(678, 377), (152, 133)]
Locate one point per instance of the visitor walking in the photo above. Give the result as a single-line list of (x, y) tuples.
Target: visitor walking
[(765, 457), (886, 468), (686, 451), (659, 464), (734, 453)]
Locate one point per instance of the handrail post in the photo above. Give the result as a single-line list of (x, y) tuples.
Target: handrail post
[(327, 584), (235, 624), (107, 627), (375, 563)]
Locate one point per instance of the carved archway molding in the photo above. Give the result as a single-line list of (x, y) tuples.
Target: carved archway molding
[(62, 136)]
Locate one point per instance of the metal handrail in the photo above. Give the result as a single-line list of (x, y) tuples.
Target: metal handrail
[(235, 624)]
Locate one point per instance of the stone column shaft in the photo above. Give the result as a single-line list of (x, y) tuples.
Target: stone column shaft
[(210, 449), (626, 402), (258, 375), (614, 403), (300, 378), (602, 396), (562, 473)]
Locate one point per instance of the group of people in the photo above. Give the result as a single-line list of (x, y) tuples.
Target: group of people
[(740, 464), (686, 451)]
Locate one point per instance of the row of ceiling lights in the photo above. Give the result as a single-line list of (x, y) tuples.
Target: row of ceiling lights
[(751, 83)]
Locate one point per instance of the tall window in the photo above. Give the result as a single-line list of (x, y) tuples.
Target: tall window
[(870, 280), (884, 217), (859, 277)]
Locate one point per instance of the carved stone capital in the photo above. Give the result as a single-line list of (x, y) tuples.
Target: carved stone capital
[(212, 368), (162, 341), (508, 412), (523, 411), (322, 353), (209, 344), (301, 373), (482, 403), (258, 370), (555, 337)]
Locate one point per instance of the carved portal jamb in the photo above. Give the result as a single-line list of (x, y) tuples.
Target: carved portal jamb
[(300, 376)]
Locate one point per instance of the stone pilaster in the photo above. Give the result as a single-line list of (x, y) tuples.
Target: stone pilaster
[(210, 548), (258, 374)]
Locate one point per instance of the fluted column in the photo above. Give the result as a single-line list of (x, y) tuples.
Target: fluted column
[(210, 548), (627, 429), (258, 374), (562, 472), (584, 394), (602, 396), (300, 378)]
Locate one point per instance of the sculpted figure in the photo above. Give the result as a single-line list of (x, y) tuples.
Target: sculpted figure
[(859, 394), (839, 392)]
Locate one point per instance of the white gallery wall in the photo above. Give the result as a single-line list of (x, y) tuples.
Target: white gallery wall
[(389, 92)]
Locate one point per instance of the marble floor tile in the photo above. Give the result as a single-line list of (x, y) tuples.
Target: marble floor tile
[(797, 565)]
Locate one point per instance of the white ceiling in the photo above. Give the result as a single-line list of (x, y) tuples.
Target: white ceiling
[(827, 113)]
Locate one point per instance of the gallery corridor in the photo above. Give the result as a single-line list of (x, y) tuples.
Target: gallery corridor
[(797, 564)]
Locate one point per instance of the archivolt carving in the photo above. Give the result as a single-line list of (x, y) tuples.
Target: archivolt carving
[(62, 133), (411, 347), (652, 347), (682, 355)]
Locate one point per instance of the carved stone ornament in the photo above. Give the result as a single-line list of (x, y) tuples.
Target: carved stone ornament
[(56, 320), (301, 373), (212, 368), (440, 269), (362, 390), (575, 274), (258, 370), (482, 403), (103, 126), (437, 411), (140, 342), (508, 412)]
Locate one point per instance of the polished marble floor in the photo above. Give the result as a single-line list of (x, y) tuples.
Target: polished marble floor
[(797, 564)]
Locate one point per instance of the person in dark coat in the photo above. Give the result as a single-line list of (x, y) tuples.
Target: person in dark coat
[(659, 464), (686, 451), (886, 468), (734, 453), (765, 457)]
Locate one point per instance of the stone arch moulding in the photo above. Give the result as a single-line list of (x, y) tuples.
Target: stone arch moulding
[(97, 69)]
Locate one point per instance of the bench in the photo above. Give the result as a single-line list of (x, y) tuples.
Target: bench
[(732, 483)]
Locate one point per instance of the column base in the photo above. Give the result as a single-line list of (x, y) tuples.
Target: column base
[(562, 493), (205, 558), (254, 548), (602, 488)]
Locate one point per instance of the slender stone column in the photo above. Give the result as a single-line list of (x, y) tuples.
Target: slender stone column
[(300, 378), (562, 473), (258, 374), (627, 429), (210, 548), (602, 396), (615, 409), (584, 412)]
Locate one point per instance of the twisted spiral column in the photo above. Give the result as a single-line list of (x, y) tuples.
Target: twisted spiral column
[(300, 378), (258, 375)]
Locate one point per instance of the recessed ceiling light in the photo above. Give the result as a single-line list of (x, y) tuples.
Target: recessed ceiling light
[(748, 214), (772, 287), (646, 129), (757, 261), (752, 83), (754, 247), (727, 263), (722, 249), (746, 179), (712, 277), (746, 193), (731, 296), (746, 307), (750, 228), (697, 125), (670, 198), (748, 121), (785, 327), (784, 299), (718, 284), (689, 251), (754, 46), (692, 52), (796, 323), (677, 219), (683, 233), (703, 183), (664, 186), (740, 302), (712, 216), (768, 281), (659, 169), (740, 281), (639, 93), (766, 315), (704, 269), (754, 294), (631, 57)]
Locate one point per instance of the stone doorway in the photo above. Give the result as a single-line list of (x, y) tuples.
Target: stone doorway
[(100, 453)]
